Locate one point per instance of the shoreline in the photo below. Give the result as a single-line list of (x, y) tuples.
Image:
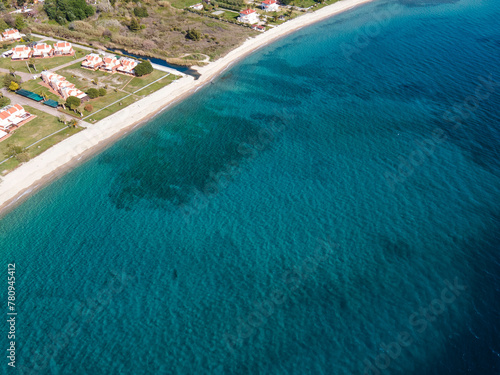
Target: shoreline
[(19, 184)]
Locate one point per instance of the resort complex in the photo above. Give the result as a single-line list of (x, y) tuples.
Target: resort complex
[(110, 64), (62, 87)]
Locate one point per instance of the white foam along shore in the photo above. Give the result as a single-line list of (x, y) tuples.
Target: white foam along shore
[(22, 181)]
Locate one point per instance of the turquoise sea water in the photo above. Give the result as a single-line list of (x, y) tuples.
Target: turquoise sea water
[(328, 206)]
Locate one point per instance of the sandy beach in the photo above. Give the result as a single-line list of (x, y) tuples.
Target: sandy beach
[(21, 182)]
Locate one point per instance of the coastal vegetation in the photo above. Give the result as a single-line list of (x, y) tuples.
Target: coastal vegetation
[(143, 27)]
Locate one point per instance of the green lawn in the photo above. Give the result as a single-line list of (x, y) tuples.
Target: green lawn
[(229, 15), (181, 4), (41, 64), (112, 109), (157, 85), (38, 128), (137, 82)]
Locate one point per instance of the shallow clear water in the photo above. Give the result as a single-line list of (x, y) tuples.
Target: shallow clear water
[(299, 216)]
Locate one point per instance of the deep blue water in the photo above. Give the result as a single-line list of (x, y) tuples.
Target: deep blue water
[(331, 205)]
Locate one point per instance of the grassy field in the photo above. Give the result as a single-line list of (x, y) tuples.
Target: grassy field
[(181, 4), (230, 15), (35, 130), (157, 85)]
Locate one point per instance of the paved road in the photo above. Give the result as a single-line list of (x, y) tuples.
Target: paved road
[(18, 99)]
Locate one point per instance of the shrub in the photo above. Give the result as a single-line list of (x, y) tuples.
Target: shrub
[(102, 92), (13, 86), (141, 12), (13, 150), (23, 157), (134, 25), (92, 93), (89, 108), (73, 102), (193, 34), (143, 68)]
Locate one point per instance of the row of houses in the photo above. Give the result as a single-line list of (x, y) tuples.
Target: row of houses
[(12, 116), (62, 87), (110, 64), (42, 50)]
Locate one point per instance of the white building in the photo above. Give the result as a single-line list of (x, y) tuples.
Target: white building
[(198, 6), (63, 48), (63, 87), (248, 16), (127, 65), (12, 115), (110, 64), (21, 53), (68, 91), (92, 61), (42, 50), (11, 34), (270, 6)]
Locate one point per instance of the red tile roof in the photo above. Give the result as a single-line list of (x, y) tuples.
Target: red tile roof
[(246, 12)]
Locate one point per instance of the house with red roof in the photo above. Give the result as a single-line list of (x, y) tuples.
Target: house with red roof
[(258, 28), (63, 49), (92, 61), (270, 6), (42, 50), (111, 63), (12, 115), (248, 16), (127, 66), (62, 87), (11, 35), (21, 53)]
